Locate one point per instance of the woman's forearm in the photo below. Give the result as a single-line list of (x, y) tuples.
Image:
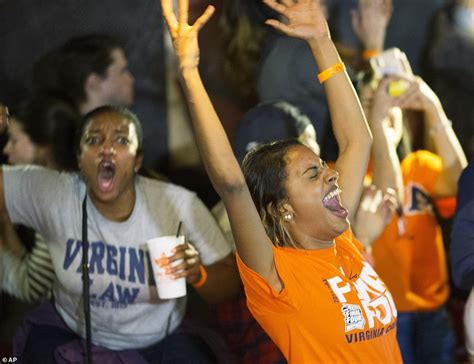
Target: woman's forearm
[(447, 146), (350, 127), (217, 154), (386, 171), (348, 119)]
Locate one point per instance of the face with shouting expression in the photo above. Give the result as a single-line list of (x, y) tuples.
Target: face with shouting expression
[(108, 158), (313, 203)]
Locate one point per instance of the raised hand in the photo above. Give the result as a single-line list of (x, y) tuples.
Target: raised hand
[(374, 214), (370, 21), (185, 36), (305, 18), (383, 108), (420, 96)]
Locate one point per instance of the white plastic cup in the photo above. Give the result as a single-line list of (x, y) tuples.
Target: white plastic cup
[(162, 247)]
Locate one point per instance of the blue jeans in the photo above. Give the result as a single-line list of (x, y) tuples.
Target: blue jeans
[(426, 337)]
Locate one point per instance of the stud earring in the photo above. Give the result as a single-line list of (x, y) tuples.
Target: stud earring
[(287, 217)]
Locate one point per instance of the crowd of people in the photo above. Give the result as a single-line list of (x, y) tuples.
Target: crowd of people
[(302, 260)]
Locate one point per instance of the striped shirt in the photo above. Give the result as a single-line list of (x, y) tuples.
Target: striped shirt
[(29, 277)]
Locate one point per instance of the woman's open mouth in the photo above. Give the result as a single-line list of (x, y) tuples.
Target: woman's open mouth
[(333, 203), (106, 176)]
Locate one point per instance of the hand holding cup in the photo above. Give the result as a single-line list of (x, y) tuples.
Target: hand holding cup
[(184, 262)]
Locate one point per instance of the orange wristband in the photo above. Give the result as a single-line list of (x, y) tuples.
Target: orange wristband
[(203, 279), (331, 71), (369, 53)]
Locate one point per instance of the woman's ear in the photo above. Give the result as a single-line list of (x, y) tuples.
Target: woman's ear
[(271, 210), (283, 210), (286, 210)]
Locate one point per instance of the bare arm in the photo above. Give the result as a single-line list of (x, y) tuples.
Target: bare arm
[(370, 21), (253, 245), (350, 127), (420, 97), (386, 124)]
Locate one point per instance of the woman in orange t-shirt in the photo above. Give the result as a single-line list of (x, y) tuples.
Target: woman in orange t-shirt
[(305, 279), (410, 254)]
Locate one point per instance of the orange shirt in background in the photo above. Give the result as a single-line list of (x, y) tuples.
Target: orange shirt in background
[(409, 256), (333, 308)]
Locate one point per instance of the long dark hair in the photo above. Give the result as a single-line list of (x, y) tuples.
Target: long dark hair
[(265, 173)]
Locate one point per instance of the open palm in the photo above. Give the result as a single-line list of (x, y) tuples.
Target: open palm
[(305, 18), (185, 36)]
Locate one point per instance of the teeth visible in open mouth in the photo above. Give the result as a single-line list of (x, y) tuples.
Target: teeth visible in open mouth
[(332, 194)]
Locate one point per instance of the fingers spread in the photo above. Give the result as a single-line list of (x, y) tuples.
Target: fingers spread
[(198, 24), (183, 12), (170, 17), (280, 26), (279, 8)]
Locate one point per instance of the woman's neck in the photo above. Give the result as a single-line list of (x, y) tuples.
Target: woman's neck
[(118, 210), (314, 244)]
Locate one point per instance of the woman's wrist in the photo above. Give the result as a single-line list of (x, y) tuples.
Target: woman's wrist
[(201, 278), (375, 44), (187, 72), (324, 52)]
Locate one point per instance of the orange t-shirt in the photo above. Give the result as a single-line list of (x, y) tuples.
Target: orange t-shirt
[(409, 255), (324, 315)]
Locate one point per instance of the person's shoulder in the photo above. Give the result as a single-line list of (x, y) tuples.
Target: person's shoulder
[(42, 173), (24, 168), (164, 188)]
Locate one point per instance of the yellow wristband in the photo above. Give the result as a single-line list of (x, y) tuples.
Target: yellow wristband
[(331, 71), (369, 53), (203, 279)]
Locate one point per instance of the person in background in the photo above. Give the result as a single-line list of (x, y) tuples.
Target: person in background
[(409, 255), (89, 71), (449, 69), (41, 134), (287, 210)]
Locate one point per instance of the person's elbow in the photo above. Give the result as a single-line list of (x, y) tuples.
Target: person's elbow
[(230, 187), (224, 280)]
